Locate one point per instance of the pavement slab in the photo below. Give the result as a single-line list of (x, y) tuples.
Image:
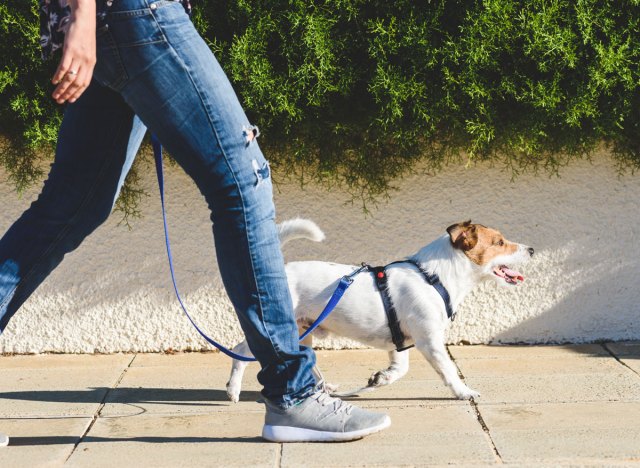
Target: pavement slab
[(58, 386), (209, 440), (40, 442), (178, 389), (548, 374), (577, 432), (623, 386)]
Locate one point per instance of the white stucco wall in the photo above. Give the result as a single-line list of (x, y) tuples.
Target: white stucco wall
[(114, 293)]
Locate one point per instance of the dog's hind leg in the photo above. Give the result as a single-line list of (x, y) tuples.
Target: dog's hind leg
[(398, 367), (234, 385), (434, 350)]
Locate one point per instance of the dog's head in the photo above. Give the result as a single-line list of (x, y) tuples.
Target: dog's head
[(490, 251)]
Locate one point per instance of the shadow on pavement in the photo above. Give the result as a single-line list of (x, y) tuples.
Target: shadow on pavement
[(171, 396), (70, 440)]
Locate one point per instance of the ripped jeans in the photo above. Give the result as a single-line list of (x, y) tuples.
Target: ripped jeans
[(152, 63)]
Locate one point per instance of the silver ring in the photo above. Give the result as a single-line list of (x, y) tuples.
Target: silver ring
[(72, 72)]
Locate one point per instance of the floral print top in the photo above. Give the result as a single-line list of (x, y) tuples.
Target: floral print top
[(55, 16)]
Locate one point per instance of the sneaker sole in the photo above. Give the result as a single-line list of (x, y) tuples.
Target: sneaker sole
[(4, 440), (297, 434)]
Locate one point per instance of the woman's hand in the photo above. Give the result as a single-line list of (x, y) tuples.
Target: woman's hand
[(78, 53)]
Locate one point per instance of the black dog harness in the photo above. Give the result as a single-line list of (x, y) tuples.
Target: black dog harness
[(380, 276)]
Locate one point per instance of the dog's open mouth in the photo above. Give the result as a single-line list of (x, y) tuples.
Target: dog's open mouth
[(509, 275)]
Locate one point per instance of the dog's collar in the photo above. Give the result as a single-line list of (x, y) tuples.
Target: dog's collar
[(434, 280)]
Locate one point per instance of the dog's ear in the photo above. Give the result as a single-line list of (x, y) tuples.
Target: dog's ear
[(463, 235)]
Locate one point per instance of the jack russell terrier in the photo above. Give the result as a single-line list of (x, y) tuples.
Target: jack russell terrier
[(460, 259)]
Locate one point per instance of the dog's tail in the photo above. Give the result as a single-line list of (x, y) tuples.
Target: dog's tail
[(299, 228)]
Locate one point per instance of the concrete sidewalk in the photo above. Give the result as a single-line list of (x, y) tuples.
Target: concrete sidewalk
[(552, 405)]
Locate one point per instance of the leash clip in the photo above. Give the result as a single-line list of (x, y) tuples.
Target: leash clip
[(350, 277)]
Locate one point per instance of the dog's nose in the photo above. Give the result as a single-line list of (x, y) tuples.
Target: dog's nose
[(530, 250)]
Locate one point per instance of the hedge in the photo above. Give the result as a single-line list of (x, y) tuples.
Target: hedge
[(356, 92)]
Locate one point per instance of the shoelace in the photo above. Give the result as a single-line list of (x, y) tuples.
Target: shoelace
[(324, 396), (339, 405)]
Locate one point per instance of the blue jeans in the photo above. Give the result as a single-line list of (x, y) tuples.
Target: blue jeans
[(152, 63)]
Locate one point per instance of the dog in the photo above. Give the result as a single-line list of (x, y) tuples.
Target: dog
[(462, 258)]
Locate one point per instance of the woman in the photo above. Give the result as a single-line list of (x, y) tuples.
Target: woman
[(149, 61)]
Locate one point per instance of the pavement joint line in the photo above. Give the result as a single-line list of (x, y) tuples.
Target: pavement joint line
[(135, 356), (485, 428), (479, 417), (96, 415), (606, 348), (278, 460)]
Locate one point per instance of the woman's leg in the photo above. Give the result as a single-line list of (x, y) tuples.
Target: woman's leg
[(152, 54), (98, 140)]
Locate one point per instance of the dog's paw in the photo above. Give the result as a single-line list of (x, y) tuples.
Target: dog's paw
[(466, 394), (331, 388), (380, 379), (233, 392)]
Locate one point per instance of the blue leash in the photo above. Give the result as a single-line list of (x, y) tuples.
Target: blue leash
[(344, 283)]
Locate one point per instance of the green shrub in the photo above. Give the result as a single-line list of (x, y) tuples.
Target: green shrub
[(29, 120), (356, 92)]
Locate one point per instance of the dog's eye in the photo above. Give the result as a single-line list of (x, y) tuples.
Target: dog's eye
[(500, 243)]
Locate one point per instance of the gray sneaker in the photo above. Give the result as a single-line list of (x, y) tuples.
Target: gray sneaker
[(320, 418), (4, 440)]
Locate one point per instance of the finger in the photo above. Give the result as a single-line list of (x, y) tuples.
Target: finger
[(62, 88), (63, 68), (64, 85), (74, 86), (83, 80)]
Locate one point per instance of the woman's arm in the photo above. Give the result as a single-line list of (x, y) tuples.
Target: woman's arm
[(78, 53)]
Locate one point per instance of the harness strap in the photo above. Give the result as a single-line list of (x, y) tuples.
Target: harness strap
[(398, 338), (434, 281)]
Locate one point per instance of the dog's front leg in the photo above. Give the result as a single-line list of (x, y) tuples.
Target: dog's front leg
[(234, 385), (398, 367), (434, 350)]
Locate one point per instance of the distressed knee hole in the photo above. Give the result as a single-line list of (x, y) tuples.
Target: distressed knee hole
[(262, 173), (250, 133)]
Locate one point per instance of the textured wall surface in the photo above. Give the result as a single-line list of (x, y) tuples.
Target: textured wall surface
[(114, 293)]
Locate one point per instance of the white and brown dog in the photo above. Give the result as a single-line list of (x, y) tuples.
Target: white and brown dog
[(467, 255)]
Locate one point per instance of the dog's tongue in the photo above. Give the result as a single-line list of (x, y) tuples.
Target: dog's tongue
[(512, 274), (509, 275)]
